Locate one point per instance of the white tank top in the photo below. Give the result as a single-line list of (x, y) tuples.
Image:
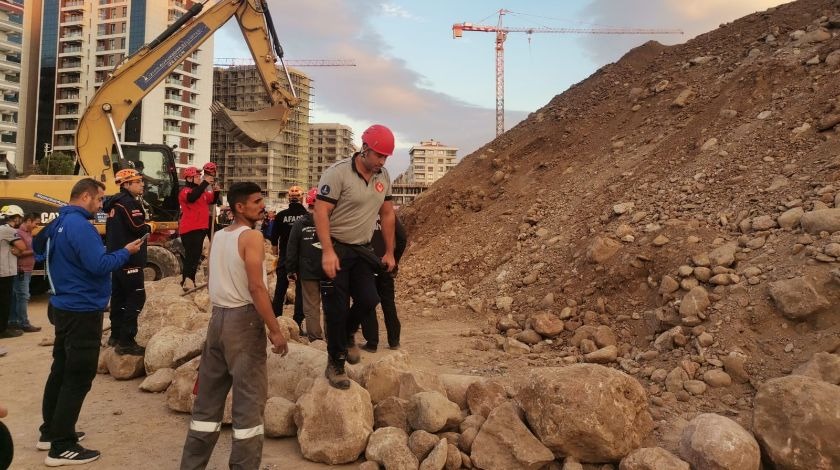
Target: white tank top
[(228, 280)]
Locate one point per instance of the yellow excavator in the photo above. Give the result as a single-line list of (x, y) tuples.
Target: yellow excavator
[(100, 154)]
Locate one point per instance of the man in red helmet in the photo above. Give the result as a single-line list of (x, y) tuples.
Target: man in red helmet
[(195, 199), (350, 195)]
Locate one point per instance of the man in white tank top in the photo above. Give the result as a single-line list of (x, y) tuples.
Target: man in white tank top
[(235, 351)]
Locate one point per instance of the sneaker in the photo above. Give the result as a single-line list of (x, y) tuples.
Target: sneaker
[(44, 443), (371, 348), (130, 349), (31, 329), (73, 455), (354, 355), (10, 333), (336, 376)]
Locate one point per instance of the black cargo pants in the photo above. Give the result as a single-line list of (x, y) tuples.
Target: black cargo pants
[(355, 280), (128, 295)]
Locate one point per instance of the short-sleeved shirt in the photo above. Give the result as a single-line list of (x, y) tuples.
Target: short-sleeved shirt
[(357, 202), (8, 261)]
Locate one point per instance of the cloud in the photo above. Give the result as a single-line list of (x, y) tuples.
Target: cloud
[(693, 17), (390, 9), (381, 88)]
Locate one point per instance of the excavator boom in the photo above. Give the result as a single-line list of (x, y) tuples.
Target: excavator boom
[(142, 71)]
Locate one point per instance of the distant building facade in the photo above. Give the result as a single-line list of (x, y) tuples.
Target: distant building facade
[(428, 162), (11, 48), (328, 142), (81, 43), (277, 165)]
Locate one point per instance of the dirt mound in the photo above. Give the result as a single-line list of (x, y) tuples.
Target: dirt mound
[(677, 169)]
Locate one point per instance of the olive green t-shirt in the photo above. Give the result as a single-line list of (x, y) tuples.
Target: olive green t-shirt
[(357, 202)]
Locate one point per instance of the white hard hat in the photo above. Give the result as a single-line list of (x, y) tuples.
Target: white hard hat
[(11, 210)]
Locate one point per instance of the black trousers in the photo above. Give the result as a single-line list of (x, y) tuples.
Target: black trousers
[(370, 324), (354, 281), (280, 293), (6, 288), (75, 355), (7, 448), (193, 242), (128, 295)]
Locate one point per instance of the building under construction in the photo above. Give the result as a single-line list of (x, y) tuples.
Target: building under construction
[(328, 143), (277, 165)]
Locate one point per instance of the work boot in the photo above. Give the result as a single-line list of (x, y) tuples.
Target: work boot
[(354, 355), (336, 376), (130, 348), (370, 347)]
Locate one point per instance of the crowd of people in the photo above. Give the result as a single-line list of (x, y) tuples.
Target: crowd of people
[(339, 243)]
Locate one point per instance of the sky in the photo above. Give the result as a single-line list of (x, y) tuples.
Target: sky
[(412, 76)]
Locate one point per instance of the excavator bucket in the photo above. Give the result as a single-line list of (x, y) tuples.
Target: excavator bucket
[(252, 128)]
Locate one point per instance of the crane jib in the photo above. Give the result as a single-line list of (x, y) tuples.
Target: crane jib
[(173, 56)]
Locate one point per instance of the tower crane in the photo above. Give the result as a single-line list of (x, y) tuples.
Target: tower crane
[(501, 35)]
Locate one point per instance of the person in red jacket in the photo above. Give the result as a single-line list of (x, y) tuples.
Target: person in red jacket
[(195, 199)]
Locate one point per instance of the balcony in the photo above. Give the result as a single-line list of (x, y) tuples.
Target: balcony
[(73, 20), (10, 26), (74, 51), (73, 5), (72, 37), (9, 105)]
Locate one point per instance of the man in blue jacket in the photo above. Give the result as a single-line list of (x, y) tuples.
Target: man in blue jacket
[(79, 270)]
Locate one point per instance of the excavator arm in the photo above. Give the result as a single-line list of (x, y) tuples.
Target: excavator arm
[(142, 71)]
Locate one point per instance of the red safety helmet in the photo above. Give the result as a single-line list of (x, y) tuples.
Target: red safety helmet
[(191, 171), (379, 138), (210, 168), (310, 196)]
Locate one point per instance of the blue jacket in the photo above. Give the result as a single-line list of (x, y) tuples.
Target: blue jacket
[(78, 266)]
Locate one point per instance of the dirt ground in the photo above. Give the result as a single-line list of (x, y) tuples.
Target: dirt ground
[(135, 429)]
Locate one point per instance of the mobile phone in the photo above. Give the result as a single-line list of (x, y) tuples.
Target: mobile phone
[(144, 237)]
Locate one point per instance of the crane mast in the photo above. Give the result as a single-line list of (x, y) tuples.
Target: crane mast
[(501, 35)]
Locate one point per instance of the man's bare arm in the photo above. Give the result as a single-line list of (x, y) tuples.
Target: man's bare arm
[(251, 249)]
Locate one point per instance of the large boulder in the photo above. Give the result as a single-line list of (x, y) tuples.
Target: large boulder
[(796, 419), (382, 378), (286, 372), (694, 303), (179, 395), (822, 366), (456, 387), (163, 310), (723, 255), (826, 220), (389, 448), (714, 442), (421, 443), (433, 412), (587, 411), (279, 418), (412, 382), (547, 324), (391, 412), (652, 458), (796, 298), (124, 367), (436, 460), (505, 443), (172, 346), (333, 425), (483, 397), (158, 381)]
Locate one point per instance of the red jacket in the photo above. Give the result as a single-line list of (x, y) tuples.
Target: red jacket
[(195, 203)]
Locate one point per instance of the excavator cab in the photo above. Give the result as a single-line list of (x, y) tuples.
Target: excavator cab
[(157, 164)]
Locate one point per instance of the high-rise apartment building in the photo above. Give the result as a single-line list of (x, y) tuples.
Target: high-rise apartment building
[(81, 43), (328, 142), (30, 47), (276, 166), (428, 162), (11, 39)]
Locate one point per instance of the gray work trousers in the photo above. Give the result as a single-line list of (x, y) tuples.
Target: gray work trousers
[(311, 290), (234, 355)]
